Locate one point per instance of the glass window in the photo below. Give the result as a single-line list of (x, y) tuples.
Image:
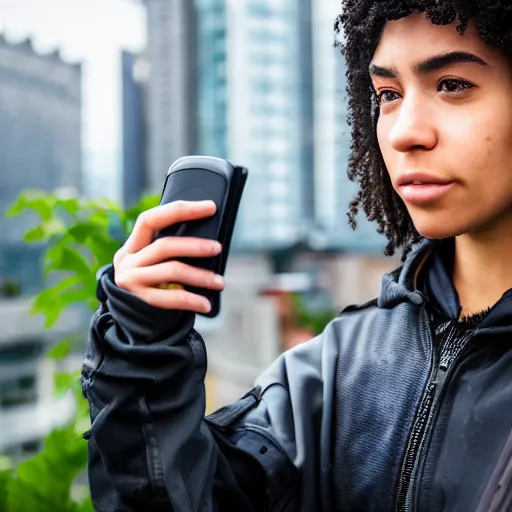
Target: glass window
[(18, 390)]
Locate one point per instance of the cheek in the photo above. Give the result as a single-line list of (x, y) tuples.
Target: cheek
[(493, 183), (485, 152), (383, 129)]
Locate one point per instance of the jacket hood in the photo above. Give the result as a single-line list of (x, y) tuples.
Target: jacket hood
[(400, 285)]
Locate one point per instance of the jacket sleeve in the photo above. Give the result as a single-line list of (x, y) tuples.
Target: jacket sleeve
[(150, 446)]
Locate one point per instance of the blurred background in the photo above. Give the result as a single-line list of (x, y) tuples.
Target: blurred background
[(99, 97)]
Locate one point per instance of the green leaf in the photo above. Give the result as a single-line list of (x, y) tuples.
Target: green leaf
[(103, 248), (45, 298), (100, 217), (43, 483), (83, 417), (25, 200), (35, 234), (64, 381), (73, 296), (39, 201), (130, 216), (17, 207), (148, 202), (93, 303), (61, 349), (53, 300), (70, 205), (83, 230), (44, 231), (6, 476), (65, 258)]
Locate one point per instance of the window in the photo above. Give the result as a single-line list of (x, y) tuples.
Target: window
[(18, 390), (278, 169)]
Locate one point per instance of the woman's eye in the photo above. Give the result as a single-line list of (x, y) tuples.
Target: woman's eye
[(454, 86), (388, 96)]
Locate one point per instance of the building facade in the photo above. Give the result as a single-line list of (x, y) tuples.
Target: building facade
[(172, 98), (333, 190), (272, 97), (40, 148), (133, 169), (212, 118), (251, 111), (40, 144), (29, 408)]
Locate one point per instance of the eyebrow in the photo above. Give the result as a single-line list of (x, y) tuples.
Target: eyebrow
[(435, 63)]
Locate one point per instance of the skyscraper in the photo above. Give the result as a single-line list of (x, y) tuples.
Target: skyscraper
[(257, 82), (333, 190), (212, 54), (40, 144), (171, 99), (251, 110), (133, 176), (40, 148)]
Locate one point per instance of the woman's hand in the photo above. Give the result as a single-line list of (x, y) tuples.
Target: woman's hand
[(145, 267)]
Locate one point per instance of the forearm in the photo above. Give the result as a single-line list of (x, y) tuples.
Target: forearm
[(147, 407), (143, 378)]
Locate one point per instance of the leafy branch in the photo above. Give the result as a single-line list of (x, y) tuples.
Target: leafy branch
[(79, 236)]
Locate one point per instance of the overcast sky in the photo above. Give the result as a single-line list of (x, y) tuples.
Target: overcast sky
[(93, 31)]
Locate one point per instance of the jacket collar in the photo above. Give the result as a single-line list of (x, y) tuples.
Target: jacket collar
[(401, 285), (435, 257)]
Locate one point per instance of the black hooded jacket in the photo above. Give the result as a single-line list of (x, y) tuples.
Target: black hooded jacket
[(378, 413)]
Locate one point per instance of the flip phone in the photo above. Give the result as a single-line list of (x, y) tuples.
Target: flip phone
[(198, 178)]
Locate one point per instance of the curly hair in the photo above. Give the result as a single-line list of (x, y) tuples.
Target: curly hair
[(358, 29)]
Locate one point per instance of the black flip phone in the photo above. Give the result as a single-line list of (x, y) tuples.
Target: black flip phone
[(197, 178)]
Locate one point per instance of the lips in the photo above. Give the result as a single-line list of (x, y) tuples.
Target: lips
[(420, 188), (421, 179)]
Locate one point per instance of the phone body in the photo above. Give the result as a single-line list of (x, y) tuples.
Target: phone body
[(198, 178)]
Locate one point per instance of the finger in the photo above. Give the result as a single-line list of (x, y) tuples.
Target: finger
[(175, 272), (171, 247), (175, 299), (154, 220)]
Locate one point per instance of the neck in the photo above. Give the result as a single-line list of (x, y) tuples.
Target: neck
[(482, 270)]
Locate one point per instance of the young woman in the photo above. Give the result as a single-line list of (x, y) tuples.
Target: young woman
[(404, 403)]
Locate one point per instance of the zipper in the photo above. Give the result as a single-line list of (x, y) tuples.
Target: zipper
[(444, 359), (443, 388), (421, 415)]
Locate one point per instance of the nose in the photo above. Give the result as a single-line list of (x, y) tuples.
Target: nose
[(414, 126)]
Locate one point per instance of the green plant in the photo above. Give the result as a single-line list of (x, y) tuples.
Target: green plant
[(309, 319), (80, 236)]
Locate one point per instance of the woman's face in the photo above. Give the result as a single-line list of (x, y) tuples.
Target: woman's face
[(445, 125)]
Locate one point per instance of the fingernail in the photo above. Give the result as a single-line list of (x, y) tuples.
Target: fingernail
[(207, 306), (218, 280), (216, 247)]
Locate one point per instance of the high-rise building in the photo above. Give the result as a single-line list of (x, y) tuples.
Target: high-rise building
[(333, 190), (133, 175), (212, 54), (40, 144), (252, 98), (171, 99), (304, 28), (260, 83), (40, 148)]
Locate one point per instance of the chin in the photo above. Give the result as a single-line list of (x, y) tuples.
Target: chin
[(438, 228)]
